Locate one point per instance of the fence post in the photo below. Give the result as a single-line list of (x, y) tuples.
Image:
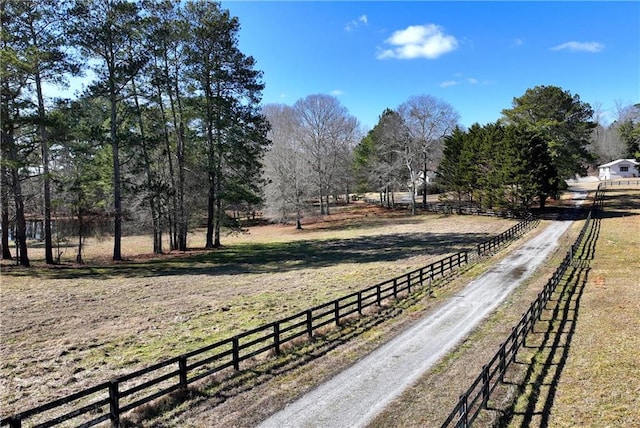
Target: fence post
[(378, 295), (182, 367), (464, 415), (503, 363), (336, 310), (114, 404), (236, 353), (310, 324), (15, 422), (395, 286), (516, 346), (276, 337), (360, 303), (485, 386)]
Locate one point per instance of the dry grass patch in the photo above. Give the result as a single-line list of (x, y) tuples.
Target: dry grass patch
[(600, 384), (69, 327)]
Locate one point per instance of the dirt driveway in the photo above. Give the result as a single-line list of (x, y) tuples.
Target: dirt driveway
[(355, 396)]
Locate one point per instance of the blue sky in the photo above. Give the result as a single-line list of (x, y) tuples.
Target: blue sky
[(477, 56)]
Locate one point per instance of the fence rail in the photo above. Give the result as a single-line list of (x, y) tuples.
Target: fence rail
[(475, 398), (627, 182), (109, 400)]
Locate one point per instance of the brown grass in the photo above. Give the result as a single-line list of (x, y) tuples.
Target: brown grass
[(600, 383), (70, 327)]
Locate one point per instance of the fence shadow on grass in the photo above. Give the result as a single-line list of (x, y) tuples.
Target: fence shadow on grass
[(546, 350)]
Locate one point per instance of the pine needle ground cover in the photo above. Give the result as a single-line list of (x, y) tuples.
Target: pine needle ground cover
[(69, 327)]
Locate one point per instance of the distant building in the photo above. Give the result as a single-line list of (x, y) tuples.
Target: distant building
[(621, 168)]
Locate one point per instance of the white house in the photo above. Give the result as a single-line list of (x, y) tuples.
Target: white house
[(621, 168)]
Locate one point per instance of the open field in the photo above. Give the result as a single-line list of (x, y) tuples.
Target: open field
[(69, 327)]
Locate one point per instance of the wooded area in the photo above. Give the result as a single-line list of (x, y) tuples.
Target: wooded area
[(171, 134)]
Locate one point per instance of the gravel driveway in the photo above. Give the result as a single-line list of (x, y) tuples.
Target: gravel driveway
[(355, 396)]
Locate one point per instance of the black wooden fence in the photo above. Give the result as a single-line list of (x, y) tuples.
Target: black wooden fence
[(109, 400), (475, 398)]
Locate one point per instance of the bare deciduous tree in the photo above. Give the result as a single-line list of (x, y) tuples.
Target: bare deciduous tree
[(428, 120), (326, 129), (288, 179)]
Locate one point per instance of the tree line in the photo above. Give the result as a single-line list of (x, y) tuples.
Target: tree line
[(547, 137), (174, 108)]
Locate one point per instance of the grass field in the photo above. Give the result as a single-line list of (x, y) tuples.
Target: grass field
[(68, 327), (593, 377)]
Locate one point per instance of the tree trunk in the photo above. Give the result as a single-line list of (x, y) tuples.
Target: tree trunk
[(543, 201), (173, 237), (21, 223), (79, 258), (6, 250), (219, 217), (117, 196), (210, 213), (322, 212), (424, 184), (44, 145), (153, 200), (211, 122)]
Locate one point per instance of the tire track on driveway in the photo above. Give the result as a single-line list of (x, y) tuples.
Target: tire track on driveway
[(355, 396)]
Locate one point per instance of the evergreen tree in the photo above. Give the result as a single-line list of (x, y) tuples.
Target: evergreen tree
[(378, 157), (83, 181), (562, 120), (14, 109), (629, 131), (169, 37), (39, 24), (455, 172), (230, 92), (106, 30)]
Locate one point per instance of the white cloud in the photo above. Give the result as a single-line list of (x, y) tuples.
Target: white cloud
[(461, 81), (448, 83), (579, 47), (362, 19), (419, 41), (337, 92), (517, 43)]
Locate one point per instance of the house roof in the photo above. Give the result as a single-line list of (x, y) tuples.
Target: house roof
[(615, 162)]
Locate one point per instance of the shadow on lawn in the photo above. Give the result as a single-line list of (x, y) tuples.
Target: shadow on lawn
[(276, 257), (537, 388)]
